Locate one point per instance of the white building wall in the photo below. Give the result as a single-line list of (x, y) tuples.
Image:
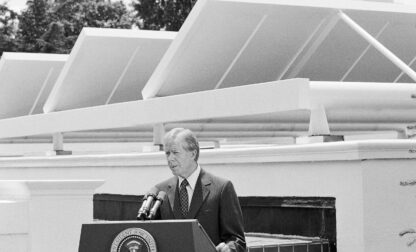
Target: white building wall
[(372, 207)]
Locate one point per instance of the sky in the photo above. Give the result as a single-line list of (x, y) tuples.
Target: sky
[(17, 5)]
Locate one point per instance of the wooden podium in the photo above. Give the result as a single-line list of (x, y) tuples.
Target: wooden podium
[(160, 236)]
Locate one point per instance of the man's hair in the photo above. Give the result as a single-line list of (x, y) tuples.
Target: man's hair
[(189, 141)]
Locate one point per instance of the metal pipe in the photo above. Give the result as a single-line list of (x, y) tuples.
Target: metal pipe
[(380, 47)]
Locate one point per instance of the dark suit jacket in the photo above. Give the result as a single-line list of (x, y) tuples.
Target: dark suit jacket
[(214, 204)]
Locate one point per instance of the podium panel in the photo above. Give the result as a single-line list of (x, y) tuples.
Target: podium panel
[(143, 236)]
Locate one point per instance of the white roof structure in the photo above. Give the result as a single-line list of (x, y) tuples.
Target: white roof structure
[(107, 66), (26, 80), (257, 62), (251, 100)]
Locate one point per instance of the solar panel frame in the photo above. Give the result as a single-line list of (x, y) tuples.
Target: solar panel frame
[(26, 80), (107, 66), (258, 41)]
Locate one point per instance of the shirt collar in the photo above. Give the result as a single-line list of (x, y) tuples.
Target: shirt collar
[(192, 178)]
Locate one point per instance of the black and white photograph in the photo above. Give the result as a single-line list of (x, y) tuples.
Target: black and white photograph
[(208, 125)]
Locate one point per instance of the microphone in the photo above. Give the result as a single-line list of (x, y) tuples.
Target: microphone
[(147, 203), (159, 200)]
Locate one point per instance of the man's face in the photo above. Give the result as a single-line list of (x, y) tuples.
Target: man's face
[(181, 162)]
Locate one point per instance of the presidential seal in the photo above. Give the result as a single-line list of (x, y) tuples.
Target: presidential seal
[(134, 240)]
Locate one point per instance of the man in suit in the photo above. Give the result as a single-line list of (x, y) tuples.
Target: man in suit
[(193, 193)]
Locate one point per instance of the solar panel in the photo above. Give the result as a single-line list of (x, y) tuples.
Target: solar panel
[(107, 66), (227, 43), (26, 80), (205, 71)]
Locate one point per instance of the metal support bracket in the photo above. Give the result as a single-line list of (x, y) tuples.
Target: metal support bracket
[(58, 145), (318, 122), (158, 133), (318, 128)]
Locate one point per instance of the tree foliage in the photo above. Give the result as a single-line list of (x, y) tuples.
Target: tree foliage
[(53, 26), (73, 15), (166, 15), (8, 27), (33, 23)]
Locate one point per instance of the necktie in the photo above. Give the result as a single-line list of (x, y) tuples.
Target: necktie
[(183, 195)]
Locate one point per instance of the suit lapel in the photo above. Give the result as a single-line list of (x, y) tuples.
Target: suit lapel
[(174, 199), (201, 192)]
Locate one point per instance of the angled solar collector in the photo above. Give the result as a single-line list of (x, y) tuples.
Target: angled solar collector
[(26, 80), (259, 41), (107, 66)]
